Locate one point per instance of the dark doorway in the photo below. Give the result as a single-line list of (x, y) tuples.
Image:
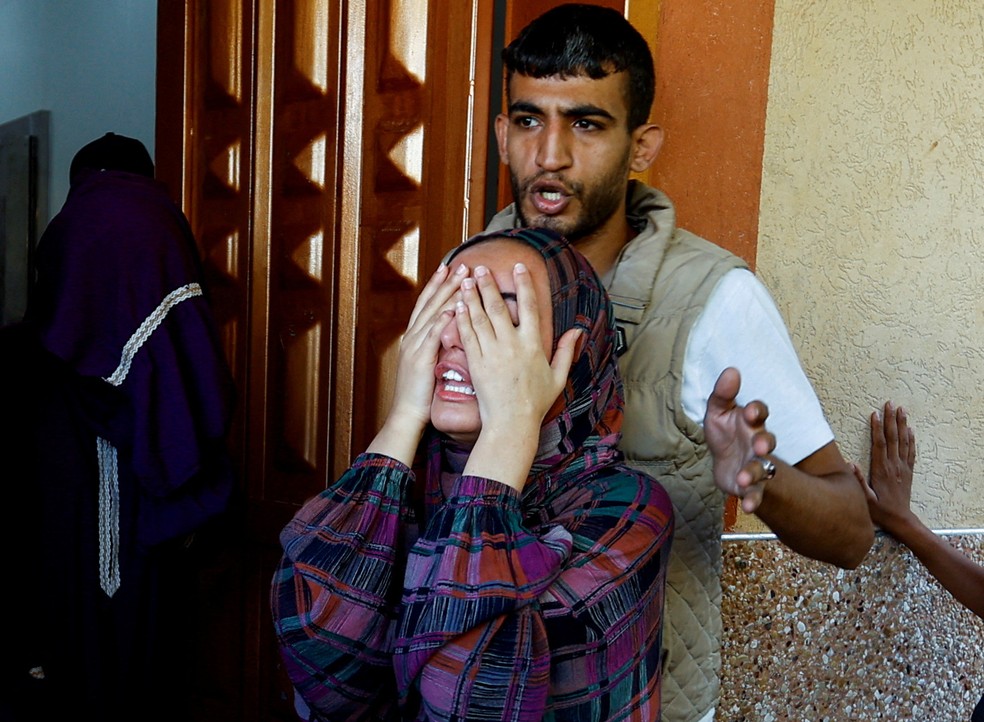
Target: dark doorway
[(23, 207)]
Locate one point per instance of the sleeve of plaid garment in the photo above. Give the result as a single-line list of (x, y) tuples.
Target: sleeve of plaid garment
[(335, 593), (501, 622)]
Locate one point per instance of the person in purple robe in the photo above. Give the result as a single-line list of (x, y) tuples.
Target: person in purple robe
[(127, 400)]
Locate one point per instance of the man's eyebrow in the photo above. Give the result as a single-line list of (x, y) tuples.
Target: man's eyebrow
[(582, 111), (575, 111), (521, 106)]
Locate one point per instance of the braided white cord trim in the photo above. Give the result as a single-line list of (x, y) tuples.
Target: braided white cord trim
[(109, 482), (149, 325), (109, 518)]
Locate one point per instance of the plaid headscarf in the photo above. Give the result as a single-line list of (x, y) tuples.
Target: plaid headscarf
[(580, 432)]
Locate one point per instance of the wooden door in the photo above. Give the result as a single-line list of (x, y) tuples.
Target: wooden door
[(323, 151)]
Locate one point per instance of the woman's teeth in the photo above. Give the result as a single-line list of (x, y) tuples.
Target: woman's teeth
[(468, 390), (456, 388)]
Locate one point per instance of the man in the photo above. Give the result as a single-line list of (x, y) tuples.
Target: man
[(580, 86)]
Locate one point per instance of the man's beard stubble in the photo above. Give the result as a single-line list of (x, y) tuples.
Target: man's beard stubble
[(597, 205)]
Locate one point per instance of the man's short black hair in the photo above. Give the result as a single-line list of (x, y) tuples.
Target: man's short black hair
[(577, 39)]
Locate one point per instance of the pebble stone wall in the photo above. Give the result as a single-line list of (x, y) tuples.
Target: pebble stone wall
[(805, 641)]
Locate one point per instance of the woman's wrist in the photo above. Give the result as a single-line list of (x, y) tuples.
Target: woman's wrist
[(505, 455), (398, 438)]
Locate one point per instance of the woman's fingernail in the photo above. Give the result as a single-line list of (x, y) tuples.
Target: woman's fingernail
[(461, 270), (468, 283), (481, 271), (520, 268)]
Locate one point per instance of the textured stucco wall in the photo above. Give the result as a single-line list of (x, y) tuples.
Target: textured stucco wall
[(872, 225)]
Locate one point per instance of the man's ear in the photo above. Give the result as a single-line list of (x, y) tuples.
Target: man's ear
[(501, 131), (647, 139)]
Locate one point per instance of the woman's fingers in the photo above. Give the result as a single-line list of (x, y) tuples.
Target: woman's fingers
[(432, 339), (433, 283), (466, 331), (489, 308), (564, 356), (421, 341), (526, 301), (494, 307), (437, 293), (479, 327), (493, 304)]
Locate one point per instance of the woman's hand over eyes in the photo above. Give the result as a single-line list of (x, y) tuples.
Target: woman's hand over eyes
[(515, 382)]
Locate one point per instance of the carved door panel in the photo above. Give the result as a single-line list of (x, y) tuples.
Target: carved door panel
[(327, 154)]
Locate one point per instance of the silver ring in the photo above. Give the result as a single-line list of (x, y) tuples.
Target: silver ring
[(768, 466)]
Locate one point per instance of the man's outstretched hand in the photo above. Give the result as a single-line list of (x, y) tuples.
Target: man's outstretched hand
[(738, 440)]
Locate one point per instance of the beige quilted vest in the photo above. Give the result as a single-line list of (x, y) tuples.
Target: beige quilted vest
[(659, 287)]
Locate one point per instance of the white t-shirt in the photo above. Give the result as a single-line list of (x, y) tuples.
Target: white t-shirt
[(741, 327)]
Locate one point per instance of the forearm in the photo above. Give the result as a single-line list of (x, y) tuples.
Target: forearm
[(398, 438), (332, 598), (959, 574), (339, 665), (821, 517), (505, 453)]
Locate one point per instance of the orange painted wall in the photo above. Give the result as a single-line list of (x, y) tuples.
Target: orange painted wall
[(712, 78)]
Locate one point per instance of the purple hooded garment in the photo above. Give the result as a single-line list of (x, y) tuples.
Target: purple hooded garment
[(110, 589), (105, 263)]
